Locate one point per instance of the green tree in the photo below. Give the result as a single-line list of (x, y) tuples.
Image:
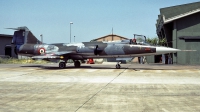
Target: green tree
[(163, 41), (156, 41)]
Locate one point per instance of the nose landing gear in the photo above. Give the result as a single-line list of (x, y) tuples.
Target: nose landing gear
[(118, 66)]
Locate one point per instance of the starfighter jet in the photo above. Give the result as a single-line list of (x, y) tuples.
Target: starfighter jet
[(28, 45)]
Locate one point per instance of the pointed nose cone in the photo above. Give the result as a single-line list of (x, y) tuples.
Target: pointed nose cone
[(163, 50)]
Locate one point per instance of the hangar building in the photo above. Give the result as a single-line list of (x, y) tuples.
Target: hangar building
[(111, 37), (180, 25), (6, 48)]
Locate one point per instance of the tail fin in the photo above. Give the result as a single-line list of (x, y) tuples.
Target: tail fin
[(24, 36)]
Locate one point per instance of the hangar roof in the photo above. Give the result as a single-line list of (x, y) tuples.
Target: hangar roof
[(110, 35), (169, 12)]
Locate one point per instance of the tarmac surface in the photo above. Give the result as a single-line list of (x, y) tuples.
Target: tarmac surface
[(99, 87)]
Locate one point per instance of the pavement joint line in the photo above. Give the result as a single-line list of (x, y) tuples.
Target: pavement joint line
[(16, 76), (102, 88)]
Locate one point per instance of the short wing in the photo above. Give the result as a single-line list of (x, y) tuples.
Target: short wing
[(126, 58), (54, 55), (63, 53)]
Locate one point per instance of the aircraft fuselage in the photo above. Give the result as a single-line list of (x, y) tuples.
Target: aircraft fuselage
[(87, 49)]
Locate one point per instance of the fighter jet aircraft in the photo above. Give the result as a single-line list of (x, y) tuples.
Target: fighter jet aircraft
[(28, 45)]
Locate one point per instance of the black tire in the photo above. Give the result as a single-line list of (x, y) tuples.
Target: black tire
[(77, 64), (62, 65), (118, 66)]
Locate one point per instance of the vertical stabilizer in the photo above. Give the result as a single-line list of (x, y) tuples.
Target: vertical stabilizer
[(24, 36)]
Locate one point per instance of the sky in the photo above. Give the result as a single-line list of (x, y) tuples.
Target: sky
[(91, 18)]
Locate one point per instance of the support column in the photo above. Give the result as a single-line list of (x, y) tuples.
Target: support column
[(161, 34), (165, 36), (174, 44)]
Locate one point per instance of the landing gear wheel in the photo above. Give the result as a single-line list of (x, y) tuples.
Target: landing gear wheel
[(62, 65), (77, 64), (118, 66)]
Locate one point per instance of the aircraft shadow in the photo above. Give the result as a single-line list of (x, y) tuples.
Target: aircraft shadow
[(68, 67), (96, 67), (138, 69), (31, 66)]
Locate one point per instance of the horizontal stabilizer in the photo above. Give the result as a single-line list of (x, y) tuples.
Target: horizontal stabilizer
[(20, 28)]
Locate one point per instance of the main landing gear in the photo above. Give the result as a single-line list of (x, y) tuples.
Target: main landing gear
[(118, 65), (77, 64), (62, 64)]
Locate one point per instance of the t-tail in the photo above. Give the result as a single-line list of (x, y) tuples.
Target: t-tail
[(22, 36)]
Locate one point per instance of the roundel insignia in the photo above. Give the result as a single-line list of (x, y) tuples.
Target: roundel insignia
[(41, 51)]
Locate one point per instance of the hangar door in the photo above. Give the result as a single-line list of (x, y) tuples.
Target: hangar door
[(8, 50)]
